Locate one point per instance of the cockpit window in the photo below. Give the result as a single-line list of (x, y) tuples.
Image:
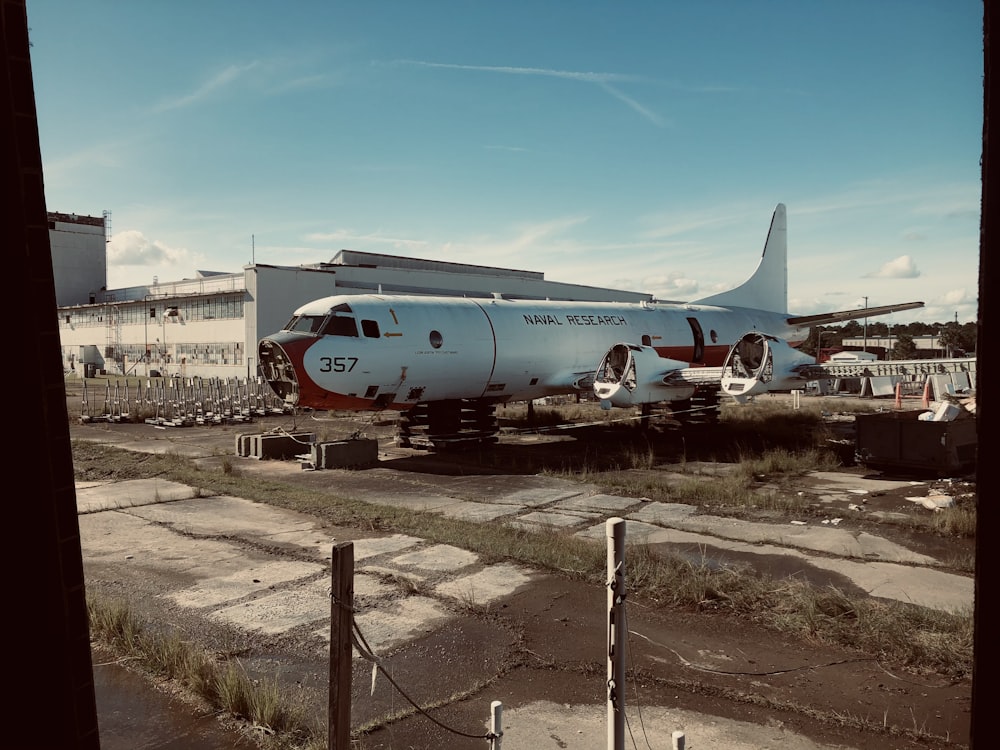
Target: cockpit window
[(370, 328), (340, 325), (306, 323)]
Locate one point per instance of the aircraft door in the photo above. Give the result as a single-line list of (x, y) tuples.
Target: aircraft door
[(698, 352)]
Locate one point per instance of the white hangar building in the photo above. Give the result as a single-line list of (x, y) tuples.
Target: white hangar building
[(209, 326)]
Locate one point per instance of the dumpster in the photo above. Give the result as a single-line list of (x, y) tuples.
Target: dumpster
[(903, 442)]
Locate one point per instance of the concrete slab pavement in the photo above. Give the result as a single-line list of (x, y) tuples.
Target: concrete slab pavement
[(218, 558), (584, 727)]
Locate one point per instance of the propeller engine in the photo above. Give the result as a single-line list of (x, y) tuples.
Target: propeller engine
[(631, 375), (760, 363)]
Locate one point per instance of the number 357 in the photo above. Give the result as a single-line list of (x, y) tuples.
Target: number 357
[(337, 364)]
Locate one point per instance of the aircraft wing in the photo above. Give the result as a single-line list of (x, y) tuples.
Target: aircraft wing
[(759, 363), (569, 379), (631, 375), (701, 376), (855, 314)]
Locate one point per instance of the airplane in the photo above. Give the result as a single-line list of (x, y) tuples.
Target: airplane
[(446, 362)]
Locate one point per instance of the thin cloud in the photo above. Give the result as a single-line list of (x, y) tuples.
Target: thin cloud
[(345, 235), (532, 234), (651, 116), (572, 75), (902, 267), (105, 156), (216, 83), (671, 224), (603, 80)]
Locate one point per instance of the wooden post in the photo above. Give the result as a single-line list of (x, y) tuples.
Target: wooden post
[(341, 618), (615, 529)]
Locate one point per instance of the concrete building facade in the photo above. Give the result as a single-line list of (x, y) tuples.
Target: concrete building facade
[(79, 257), (209, 326)]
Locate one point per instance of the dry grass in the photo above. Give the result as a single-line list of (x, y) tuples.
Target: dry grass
[(223, 685)]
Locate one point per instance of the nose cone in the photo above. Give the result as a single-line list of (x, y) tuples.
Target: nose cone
[(280, 358)]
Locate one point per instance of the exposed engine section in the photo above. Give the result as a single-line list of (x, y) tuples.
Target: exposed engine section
[(278, 370), (759, 363), (632, 375)]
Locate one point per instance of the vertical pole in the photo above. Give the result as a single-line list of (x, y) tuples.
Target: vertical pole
[(615, 529), (496, 725), (341, 617), (677, 739)]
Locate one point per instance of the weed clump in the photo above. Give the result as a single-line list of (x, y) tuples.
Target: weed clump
[(223, 685)]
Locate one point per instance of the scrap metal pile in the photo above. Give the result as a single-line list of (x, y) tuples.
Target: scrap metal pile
[(178, 401)]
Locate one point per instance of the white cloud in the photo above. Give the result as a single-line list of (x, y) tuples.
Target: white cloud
[(956, 297), (670, 287), (132, 248), (902, 267)]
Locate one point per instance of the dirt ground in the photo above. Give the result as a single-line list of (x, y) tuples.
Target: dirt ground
[(545, 642)]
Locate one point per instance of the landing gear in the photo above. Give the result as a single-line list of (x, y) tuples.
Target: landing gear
[(448, 425), (701, 408)]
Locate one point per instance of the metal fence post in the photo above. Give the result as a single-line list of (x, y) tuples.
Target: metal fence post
[(615, 529)]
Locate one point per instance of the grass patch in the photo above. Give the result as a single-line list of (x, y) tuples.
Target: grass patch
[(224, 685), (921, 638), (785, 462), (958, 520), (517, 415), (755, 483)]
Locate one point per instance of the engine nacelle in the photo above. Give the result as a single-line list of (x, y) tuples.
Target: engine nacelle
[(760, 363), (630, 375)]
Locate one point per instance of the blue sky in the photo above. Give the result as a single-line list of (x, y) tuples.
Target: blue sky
[(640, 145)]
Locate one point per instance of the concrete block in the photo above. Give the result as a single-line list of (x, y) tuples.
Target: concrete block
[(283, 447), (244, 446), (345, 454)]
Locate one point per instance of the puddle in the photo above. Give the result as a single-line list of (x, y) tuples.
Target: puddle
[(132, 715)]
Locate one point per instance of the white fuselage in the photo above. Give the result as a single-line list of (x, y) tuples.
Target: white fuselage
[(395, 351)]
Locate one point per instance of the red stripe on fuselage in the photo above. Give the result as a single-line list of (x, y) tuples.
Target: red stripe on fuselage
[(714, 356), (310, 394)]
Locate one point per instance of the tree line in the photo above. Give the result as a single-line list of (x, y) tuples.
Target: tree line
[(956, 339)]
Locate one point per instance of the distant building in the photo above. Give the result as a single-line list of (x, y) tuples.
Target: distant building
[(928, 346), (209, 326), (852, 356), (79, 257)]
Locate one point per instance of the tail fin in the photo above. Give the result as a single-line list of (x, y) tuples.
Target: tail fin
[(767, 288)]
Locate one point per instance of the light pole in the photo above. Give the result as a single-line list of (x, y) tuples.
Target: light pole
[(865, 346), (147, 313), (168, 312)]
